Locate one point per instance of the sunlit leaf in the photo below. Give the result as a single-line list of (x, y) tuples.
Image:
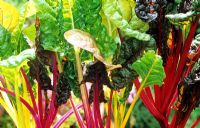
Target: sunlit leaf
[(125, 8), (9, 16), (150, 68), (30, 32)]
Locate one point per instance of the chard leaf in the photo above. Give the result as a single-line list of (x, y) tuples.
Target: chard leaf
[(196, 5), (52, 30), (150, 68), (49, 29), (85, 41), (135, 22), (89, 20), (125, 8), (180, 18), (30, 32), (113, 13), (72, 78), (6, 47), (128, 53), (9, 16), (13, 64), (16, 61)]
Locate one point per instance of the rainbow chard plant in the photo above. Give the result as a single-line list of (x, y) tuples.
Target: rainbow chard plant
[(99, 51)]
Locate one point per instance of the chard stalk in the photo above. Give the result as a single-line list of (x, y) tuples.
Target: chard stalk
[(84, 94), (132, 105)]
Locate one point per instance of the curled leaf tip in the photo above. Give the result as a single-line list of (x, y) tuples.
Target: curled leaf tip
[(81, 39)]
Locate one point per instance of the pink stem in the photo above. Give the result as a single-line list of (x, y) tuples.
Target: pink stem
[(40, 106), (77, 114), (30, 90), (52, 109), (66, 115), (96, 103)]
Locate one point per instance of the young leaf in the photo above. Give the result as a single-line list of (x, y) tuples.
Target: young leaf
[(150, 68)]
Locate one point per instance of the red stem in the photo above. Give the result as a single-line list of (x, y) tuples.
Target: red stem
[(171, 103), (28, 85), (181, 64), (186, 117), (151, 106), (108, 120), (97, 104), (196, 122), (149, 94), (40, 106)]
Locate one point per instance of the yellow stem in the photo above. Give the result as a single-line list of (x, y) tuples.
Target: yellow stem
[(132, 106), (83, 89), (20, 114)]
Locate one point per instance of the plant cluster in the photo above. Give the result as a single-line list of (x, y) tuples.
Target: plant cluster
[(99, 51)]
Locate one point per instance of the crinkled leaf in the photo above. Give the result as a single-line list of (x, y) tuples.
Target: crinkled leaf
[(150, 68), (6, 47), (87, 18), (52, 30), (72, 78), (196, 6), (128, 52), (42, 6), (9, 16), (112, 12)]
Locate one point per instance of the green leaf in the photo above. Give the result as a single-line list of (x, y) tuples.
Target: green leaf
[(30, 32), (52, 30), (196, 5), (86, 15), (112, 12), (72, 78), (150, 68), (6, 47)]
